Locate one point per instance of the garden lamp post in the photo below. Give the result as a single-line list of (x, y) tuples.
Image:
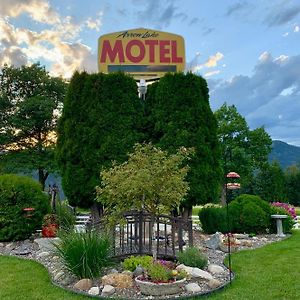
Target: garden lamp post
[(232, 185)]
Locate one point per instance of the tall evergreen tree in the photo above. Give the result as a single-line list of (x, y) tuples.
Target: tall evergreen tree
[(292, 176), (178, 114), (100, 123)]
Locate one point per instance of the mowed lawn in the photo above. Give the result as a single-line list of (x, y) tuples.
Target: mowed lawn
[(271, 272)]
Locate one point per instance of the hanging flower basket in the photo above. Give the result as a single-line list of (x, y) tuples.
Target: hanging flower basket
[(159, 289)]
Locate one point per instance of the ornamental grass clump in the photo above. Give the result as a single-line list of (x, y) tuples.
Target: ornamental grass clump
[(192, 257), (84, 254)]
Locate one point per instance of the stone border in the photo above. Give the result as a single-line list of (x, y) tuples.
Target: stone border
[(171, 297)]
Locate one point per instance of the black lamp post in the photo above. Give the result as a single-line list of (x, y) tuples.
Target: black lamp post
[(232, 185)]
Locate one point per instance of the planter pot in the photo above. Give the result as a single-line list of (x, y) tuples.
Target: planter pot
[(224, 248), (49, 230), (160, 289)]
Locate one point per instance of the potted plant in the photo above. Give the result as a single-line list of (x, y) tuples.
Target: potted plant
[(50, 225), (161, 278)]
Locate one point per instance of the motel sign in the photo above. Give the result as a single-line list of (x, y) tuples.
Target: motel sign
[(143, 53)]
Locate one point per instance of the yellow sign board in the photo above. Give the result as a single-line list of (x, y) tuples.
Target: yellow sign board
[(143, 53)]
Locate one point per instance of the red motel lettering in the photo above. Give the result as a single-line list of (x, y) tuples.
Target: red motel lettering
[(137, 50)]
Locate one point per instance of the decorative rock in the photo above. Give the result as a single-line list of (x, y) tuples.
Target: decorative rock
[(185, 268), (247, 243), (43, 254), (193, 288), (138, 271), (83, 284), (215, 269), (46, 244), (113, 271), (58, 275), (22, 250), (118, 280), (214, 241), (194, 272), (241, 236), (108, 290), (214, 283), (1, 245), (198, 273), (127, 272), (94, 291)]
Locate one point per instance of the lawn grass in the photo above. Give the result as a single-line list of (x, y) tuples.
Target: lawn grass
[(271, 272), (28, 280), (297, 208), (196, 210)]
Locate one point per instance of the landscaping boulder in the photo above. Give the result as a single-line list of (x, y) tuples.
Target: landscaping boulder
[(194, 272), (214, 283), (193, 288), (214, 241), (118, 280), (215, 269), (83, 284), (94, 291), (107, 290)]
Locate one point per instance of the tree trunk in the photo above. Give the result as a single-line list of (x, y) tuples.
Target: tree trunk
[(43, 177), (97, 212), (223, 196)]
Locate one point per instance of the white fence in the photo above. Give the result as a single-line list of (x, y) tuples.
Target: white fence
[(297, 224)]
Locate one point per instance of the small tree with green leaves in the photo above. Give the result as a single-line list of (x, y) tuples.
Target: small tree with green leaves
[(150, 179)]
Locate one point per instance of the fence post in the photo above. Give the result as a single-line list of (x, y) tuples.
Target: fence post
[(140, 232)]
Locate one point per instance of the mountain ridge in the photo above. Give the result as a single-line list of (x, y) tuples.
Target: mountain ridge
[(285, 154)]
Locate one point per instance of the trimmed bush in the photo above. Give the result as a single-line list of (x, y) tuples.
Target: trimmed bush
[(213, 219), (16, 194), (192, 257), (84, 254), (250, 214)]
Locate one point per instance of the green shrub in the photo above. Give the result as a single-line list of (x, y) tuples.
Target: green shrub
[(158, 272), (16, 194), (132, 262), (213, 219), (192, 257), (250, 214), (287, 224), (84, 254)]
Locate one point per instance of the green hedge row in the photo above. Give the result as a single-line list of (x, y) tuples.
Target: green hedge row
[(247, 214)]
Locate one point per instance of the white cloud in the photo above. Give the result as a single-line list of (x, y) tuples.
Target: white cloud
[(296, 28), (271, 91), (95, 24), (58, 44), (211, 73), (38, 10), (212, 62)]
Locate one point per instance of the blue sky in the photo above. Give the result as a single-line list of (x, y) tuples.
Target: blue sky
[(249, 51)]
